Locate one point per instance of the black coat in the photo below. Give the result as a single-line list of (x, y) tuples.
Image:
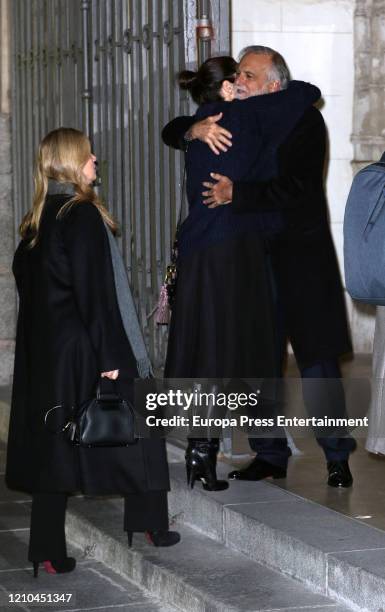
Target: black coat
[(304, 258), (69, 331)]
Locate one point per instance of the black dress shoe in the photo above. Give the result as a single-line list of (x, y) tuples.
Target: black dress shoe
[(339, 474), (258, 470)]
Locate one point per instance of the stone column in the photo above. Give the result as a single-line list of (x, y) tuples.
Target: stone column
[(368, 123), (369, 94), (7, 287)]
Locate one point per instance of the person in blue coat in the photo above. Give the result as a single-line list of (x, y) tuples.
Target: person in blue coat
[(222, 324)]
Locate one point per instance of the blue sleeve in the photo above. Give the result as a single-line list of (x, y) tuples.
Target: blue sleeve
[(244, 125)]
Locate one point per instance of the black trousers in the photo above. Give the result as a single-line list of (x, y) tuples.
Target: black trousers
[(47, 537), (142, 511), (323, 393), (146, 511)]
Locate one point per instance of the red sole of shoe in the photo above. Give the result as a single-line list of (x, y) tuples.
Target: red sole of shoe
[(49, 567)]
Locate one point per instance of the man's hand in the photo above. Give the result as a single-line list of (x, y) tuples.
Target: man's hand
[(218, 193), (215, 136)]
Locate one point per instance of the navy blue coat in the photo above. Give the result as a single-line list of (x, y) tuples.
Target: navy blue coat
[(304, 259)]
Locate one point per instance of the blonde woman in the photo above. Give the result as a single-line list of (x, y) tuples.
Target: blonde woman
[(73, 328)]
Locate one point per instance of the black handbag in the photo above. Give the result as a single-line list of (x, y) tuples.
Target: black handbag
[(105, 420)]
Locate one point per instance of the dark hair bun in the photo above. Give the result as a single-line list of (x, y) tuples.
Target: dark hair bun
[(205, 85), (187, 79)]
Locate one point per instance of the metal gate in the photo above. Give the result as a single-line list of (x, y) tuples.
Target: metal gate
[(108, 67)]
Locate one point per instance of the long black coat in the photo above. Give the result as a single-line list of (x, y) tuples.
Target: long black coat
[(304, 258), (69, 331)]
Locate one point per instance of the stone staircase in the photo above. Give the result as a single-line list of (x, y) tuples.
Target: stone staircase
[(332, 554), (253, 547)]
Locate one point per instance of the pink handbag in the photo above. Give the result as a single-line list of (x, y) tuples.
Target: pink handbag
[(168, 290)]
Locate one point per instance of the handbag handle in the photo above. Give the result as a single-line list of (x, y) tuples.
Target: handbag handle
[(106, 390), (180, 207)]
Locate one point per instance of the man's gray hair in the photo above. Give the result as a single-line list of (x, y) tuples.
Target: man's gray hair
[(279, 70)]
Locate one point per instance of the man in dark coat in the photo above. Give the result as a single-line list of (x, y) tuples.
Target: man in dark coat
[(309, 302)]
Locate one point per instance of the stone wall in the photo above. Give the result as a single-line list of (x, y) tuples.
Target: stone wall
[(369, 102), (7, 287)]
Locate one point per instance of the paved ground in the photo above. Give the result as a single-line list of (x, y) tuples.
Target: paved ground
[(91, 587)]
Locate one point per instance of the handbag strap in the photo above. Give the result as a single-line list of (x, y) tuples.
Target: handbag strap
[(180, 208), (106, 390)]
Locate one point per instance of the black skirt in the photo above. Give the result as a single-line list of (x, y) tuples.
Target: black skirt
[(222, 319)]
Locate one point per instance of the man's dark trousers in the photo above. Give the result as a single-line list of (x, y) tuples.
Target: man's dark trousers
[(277, 451), (323, 394)]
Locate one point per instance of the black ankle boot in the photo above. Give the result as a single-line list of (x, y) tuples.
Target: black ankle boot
[(201, 461)]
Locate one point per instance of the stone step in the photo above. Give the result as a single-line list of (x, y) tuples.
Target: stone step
[(334, 554), (197, 575), (93, 586)]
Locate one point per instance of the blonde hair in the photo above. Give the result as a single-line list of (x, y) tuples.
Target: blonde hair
[(61, 157)]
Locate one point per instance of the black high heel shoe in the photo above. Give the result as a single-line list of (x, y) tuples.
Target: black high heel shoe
[(157, 538), (201, 463), (55, 566)]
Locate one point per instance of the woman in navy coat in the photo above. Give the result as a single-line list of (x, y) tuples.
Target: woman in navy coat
[(222, 322)]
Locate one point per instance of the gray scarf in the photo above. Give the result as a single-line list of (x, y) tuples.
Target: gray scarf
[(123, 292)]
